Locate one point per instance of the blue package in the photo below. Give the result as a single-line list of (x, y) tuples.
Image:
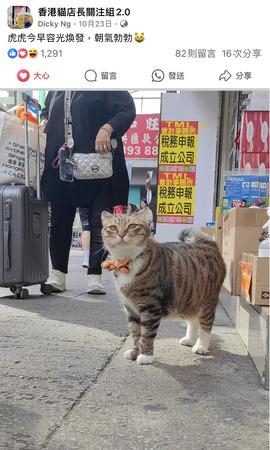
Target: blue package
[(242, 186), (264, 180)]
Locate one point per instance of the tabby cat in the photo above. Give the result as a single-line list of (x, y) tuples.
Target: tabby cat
[(177, 280)]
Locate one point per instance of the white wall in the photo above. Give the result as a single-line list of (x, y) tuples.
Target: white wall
[(202, 107)]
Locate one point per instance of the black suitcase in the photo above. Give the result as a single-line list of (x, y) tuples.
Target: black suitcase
[(24, 250)]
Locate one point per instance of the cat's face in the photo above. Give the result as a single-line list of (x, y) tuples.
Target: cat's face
[(139, 37), (123, 231)]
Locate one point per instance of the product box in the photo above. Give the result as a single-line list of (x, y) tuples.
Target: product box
[(264, 186), (242, 228), (228, 203), (254, 136), (242, 186), (255, 279), (254, 161), (210, 231)]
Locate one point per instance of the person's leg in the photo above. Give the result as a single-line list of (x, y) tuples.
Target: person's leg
[(85, 237), (62, 217), (97, 252), (85, 241)]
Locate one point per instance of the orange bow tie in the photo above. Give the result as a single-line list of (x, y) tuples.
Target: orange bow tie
[(124, 265)]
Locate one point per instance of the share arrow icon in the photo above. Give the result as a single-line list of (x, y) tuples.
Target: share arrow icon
[(226, 75)]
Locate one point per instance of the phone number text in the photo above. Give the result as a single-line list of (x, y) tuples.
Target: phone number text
[(136, 151)]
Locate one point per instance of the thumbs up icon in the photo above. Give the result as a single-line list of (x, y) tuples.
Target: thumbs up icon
[(12, 53)]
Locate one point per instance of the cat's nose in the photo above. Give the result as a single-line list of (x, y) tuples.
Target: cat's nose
[(122, 235)]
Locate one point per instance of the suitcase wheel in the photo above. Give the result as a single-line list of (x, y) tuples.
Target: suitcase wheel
[(19, 292), (24, 294), (46, 289)]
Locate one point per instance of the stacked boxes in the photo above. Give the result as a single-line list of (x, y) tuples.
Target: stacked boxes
[(255, 279), (254, 141), (242, 228), (242, 190), (242, 186)]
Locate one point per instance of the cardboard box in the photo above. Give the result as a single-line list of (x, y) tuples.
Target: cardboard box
[(242, 228), (255, 279), (210, 231), (254, 135), (219, 231)]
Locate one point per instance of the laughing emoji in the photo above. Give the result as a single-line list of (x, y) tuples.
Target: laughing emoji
[(139, 37), (33, 53)]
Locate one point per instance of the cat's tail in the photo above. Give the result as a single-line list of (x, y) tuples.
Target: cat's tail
[(190, 236)]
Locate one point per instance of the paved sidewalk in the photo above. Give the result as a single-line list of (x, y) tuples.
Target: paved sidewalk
[(65, 383)]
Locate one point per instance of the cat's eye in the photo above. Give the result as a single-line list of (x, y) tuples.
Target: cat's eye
[(131, 226), (113, 227)]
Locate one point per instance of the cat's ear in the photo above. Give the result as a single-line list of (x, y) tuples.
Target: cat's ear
[(105, 215), (142, 212)]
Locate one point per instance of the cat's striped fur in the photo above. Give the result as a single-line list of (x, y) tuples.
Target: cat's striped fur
[(176, 280)]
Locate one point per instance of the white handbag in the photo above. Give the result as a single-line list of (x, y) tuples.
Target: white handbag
[(92, 165)]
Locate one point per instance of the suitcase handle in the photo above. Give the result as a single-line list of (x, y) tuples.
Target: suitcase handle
[(26, 100), (6, 245)]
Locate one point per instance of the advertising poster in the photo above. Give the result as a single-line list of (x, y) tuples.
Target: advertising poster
[(141, 140), (177, 172)]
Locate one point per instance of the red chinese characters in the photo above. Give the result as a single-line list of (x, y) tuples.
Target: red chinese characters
[(141, 140)]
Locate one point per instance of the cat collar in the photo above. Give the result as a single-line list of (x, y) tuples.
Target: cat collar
[(124, 265)]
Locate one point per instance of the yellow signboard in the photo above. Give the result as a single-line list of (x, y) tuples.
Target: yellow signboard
[(177, 172)]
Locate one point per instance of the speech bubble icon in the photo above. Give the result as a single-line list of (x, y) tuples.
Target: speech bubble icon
[(90, 75), (158, 75)]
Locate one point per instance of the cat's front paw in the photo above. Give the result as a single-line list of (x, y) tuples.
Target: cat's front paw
[(131, 354), (186, 341), (145, 359), (200, 349)]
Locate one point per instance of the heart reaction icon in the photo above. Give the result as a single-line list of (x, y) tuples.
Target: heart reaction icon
[(23, 75), (22, 53)]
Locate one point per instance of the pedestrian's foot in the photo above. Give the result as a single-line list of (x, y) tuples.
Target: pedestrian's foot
[(85, 262), (94, 285), (57, 280)]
